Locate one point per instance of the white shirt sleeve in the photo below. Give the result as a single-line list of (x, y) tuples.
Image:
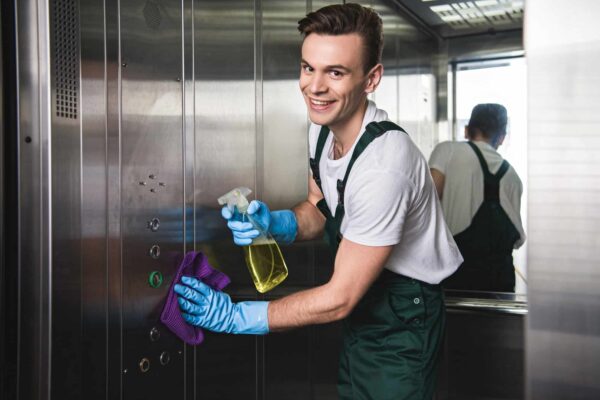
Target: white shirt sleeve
[(440, 156), (377, 208)]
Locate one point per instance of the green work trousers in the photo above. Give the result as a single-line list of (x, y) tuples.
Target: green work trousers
[(391, 341)]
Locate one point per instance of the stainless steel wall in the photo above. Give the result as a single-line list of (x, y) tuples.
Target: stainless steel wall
[(148, 110), (563, 331)]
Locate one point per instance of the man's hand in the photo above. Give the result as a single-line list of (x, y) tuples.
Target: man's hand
[(207, 308), (281, 225)]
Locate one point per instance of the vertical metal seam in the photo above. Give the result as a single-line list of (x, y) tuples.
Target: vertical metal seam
[(120, 194), (18, 124), (183, 166), (258, 125), (193, 56), (258, 100), (81, 177), (45, 211), (106, 202), (40, 239), (183, 123)]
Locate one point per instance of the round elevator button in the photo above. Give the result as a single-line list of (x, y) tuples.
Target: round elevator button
[(154, 334), (165, 357), (144, 365), (154, 251), (155, 279), (154, 224)]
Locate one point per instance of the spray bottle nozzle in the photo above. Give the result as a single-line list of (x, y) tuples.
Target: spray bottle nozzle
[(236, 198)]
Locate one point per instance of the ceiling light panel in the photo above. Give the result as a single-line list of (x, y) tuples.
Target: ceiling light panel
[(478, 13)]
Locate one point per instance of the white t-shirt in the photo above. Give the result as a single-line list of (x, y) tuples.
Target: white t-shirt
[(463, 184), (390, 199)]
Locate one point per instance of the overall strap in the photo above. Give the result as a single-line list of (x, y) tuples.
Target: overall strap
[(502, 170), (482, 162), (314, 162), (491, 182), (333, 223)]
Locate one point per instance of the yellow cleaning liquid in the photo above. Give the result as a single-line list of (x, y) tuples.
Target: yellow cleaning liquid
[(266, 265), (263, 257)]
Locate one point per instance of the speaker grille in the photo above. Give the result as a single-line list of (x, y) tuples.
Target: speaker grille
[(65, 52)]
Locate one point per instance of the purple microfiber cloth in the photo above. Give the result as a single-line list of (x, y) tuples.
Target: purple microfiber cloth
[(194, 264)]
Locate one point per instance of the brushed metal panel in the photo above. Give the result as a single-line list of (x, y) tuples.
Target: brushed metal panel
[(282, 162), (152, 187), (94, 212), (66, 201), (189, 352), (483, 356), (114, 284), (9, 348), (227, 367), (35, 221), (225, 126), (386, 96), (563, 330), (407, 90), (316, 4), (480, 46), (283, 141), (226, 84), (287, 365), (325, 346)]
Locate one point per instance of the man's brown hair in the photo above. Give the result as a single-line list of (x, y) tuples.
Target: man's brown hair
[(341, 19)]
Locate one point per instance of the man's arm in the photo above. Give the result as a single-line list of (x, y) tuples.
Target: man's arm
[(356, 268), (438, 180), (310, 220)]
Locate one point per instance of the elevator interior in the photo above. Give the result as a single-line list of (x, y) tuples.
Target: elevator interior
[(122, 124)]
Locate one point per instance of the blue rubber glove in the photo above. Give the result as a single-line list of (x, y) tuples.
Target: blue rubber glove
[(282, 224), (207, 308)]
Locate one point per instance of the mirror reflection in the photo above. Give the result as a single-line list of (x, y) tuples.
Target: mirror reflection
[(499, 80), (481, 197), (480, 176)]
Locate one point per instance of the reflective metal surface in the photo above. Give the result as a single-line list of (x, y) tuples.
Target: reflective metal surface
[(179, 102), (563, 330), (35, 220), (502, 303), (408, 88), (66, 197), (483, 355), (94, 205), (151, 152), (9, 287)]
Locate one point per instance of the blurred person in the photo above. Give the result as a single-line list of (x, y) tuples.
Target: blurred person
[(481, 199)]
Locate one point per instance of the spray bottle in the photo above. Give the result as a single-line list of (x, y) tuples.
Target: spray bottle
[(263, 257)]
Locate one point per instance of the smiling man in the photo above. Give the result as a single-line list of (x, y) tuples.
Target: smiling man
[(372, 195)]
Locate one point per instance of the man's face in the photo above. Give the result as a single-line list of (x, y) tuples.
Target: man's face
[(332, 77)]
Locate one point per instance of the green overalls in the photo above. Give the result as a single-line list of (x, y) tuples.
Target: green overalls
[(392, 338), (487, 244)]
